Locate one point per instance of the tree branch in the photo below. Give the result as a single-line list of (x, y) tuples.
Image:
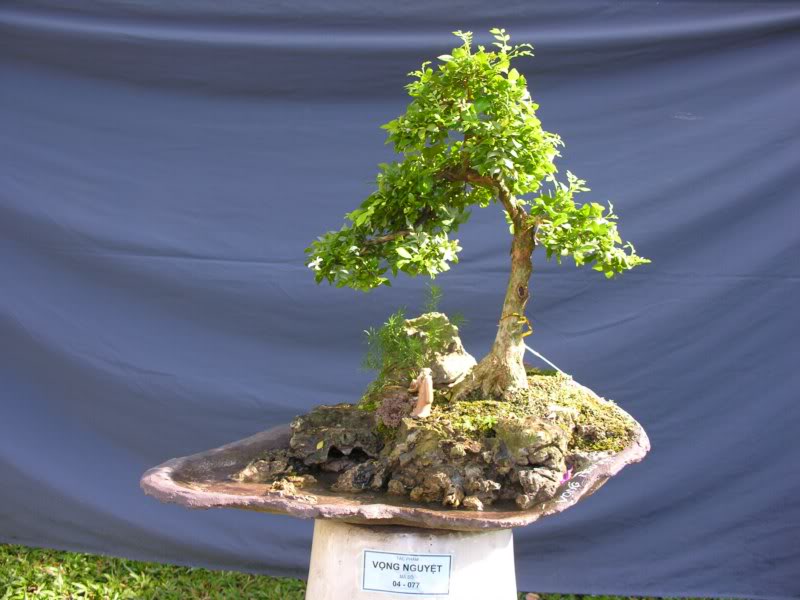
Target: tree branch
[(469, 176), (383, 239), (517, 213), (427, 215)]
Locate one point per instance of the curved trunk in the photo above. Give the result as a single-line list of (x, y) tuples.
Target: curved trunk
[(502, 370)]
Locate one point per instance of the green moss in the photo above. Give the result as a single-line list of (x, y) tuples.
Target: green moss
[(602, 427), (599, 424), (369, 401), (595, 424), (469, 419), (515, 435), (428, 442), (386, 433), (537, 371)]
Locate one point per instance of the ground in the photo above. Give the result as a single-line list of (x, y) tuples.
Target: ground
[(33, 574)]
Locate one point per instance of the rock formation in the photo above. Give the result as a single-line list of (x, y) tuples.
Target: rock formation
[(450, 365), (465, 454)]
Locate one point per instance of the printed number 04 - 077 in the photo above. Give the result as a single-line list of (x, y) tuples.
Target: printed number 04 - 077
[(409, 584)]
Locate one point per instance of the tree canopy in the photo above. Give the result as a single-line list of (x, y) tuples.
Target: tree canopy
[(469, 137)]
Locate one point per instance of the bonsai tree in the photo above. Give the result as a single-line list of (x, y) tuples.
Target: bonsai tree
[(470, 138)]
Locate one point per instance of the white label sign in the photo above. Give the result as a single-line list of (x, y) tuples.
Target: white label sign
[(414, 574)]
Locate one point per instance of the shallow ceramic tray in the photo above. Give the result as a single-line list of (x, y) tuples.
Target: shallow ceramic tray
[(203, 481)]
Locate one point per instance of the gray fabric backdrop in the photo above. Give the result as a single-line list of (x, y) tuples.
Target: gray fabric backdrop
[(163, 165)]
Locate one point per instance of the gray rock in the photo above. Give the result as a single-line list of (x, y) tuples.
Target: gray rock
[(541, 484), (432, 487), (285, 486), (549, 457), (520, 459), (265, 469), (525, 501), (432, 465), (452, 365), (578, 460), (367, 475), (453, 495), (538, 485), (289, 488), (338, 465), (397, 488), (332, 432), (269, 467), (472, 503)]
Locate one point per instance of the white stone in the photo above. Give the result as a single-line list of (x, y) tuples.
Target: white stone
[(481, 564)]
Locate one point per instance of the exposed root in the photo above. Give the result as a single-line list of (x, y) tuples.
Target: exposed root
[(492, 378)]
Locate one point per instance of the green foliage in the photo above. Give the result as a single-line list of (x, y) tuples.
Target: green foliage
[(434, 298), (390, 349), (37, 574), (469, 137), (432, 301), (398, 356), (483, 424), (586, 232)]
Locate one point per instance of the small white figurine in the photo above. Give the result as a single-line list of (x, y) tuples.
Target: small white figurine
[(423, 385)]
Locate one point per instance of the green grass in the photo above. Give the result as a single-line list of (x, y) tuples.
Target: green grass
[(33, 574)]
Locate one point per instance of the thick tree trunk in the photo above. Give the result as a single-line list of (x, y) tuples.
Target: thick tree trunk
[(502, 370)]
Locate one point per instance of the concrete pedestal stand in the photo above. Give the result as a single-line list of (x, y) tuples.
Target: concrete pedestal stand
[(361, 562), (371, 545)]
